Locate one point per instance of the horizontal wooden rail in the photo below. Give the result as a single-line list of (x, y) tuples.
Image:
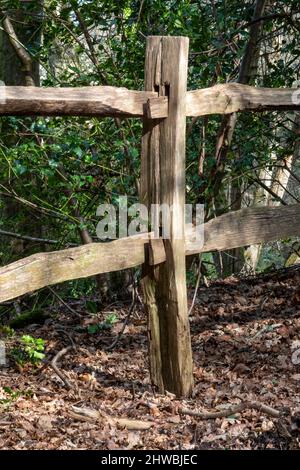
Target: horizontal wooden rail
[(239, 228), (85, 101), (234, 97), (43, 269), (246, 227), (120, 102)]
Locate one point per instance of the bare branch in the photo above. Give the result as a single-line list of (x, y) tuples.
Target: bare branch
[(20, 50), (231, 411)]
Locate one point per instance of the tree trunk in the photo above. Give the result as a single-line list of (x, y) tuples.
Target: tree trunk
[(20, 31), (233, 260)]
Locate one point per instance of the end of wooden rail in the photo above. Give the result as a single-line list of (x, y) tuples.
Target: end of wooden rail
[(157, 253), (100, 101), (157, 108)]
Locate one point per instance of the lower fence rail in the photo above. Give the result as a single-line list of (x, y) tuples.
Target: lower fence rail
[(238, 228)]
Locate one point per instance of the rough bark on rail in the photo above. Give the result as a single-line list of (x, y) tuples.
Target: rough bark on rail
[(234, 97), (86, 101), (239, 228), (246, 227), (43, 269)]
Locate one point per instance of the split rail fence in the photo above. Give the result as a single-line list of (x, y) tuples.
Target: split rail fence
[(163, 107)]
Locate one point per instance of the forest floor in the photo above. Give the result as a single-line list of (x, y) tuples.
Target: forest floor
[(245, 337)]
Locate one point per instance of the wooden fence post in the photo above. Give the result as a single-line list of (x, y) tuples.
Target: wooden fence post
[(163, 182)]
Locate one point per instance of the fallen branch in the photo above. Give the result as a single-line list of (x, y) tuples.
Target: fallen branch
[(90, 416), (231, 411), (53, 364)]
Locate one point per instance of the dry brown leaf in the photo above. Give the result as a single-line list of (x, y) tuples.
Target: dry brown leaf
[(154, 411), (241, 368), (22, 404), (296, 378), (267, 425), (174, 419), (45, 423), (27, 426), (284, 331), (111, 445), (133, 440), (242, 300)]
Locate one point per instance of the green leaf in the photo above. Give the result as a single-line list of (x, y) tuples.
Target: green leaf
[(78, 152), (92, 329)]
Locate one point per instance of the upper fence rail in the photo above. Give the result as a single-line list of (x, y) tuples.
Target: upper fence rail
[(104, 101), (234, 97)]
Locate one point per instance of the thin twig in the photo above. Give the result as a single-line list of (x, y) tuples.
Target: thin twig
[(53, 364), (34, 206), (62, 330), (63, 302), (196, 287), (269, 190), (46, 241)]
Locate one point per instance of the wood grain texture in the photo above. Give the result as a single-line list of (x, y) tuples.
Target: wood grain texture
[(121, 102), (233, 97), (247, 227), (157, 107), (85, 101), (171, 292), (157, 253), (43, 269), (239, 228), (149, 193)]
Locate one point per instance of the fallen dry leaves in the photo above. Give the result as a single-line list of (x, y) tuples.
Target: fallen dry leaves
[(246, 343)]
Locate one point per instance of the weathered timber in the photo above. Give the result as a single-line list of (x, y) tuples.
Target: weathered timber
[(43, 269), (246, 227), (163, 164), (121, 102), (234, 97), (149, 194), (176, 347), (240, 228), (85, 101), (157, 107)]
